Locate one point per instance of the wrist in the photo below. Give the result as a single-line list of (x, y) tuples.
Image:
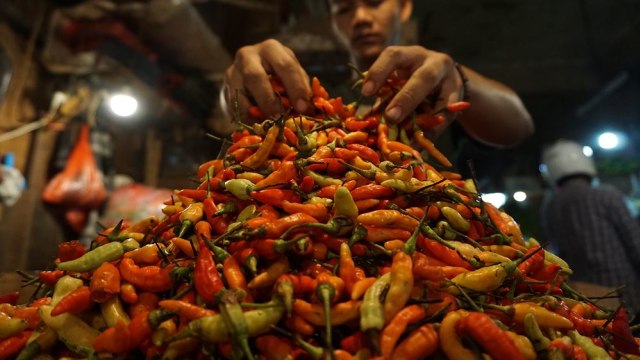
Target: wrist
[(465, 82)]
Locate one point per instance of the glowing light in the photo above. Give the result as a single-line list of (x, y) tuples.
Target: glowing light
[(519, 196), (608, 140), (495, 199), (123, 105), (587, 151)]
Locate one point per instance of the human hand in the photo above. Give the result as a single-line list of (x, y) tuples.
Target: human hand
[(248, 77), (426, 73)]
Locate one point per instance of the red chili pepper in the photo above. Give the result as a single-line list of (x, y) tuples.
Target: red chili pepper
[(354, 343), (534, 263), (275, 196), (70, 250), (216, 182), (307, 184), (255, 112), (491, 338), (329, 165), (353, 124), (114, 340), (10, 298), (239, 134), (371, 191), (549, 273), (623, 338), (441, 252), (275, 228), (290, 135), (147, 301), (458, 106), (194, 194), (75, 302), (13, 344), (428, 121), (366, 153), (205, 275)]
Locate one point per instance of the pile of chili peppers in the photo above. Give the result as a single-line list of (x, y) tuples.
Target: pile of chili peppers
[(318, 236)]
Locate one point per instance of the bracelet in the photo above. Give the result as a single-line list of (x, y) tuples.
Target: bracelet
[(465, 82)]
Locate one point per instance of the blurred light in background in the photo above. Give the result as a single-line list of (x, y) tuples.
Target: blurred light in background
[(123, 105), (587, 151), (608, 140), (519, 196), (495, 199)]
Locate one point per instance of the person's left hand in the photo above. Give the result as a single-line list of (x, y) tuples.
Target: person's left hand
[(427, 72)]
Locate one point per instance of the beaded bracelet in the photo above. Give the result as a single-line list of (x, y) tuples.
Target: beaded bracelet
[(465, 82)]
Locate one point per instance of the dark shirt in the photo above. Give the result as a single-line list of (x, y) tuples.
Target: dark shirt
[(593, 230)]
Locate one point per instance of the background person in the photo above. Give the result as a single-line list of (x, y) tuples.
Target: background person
[(590, 226)]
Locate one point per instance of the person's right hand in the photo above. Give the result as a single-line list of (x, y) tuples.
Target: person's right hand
[(248, 77)]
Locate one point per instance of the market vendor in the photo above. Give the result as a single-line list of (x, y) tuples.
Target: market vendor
[(370, 29)]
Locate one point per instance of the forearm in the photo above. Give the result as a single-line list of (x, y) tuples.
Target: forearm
[(496, 116)]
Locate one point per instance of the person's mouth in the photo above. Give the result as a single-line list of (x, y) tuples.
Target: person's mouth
[(367, 39)]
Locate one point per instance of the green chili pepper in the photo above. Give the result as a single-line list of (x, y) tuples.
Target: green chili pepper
[(343, 203), (233, 316), (247, 213), (531, 328), (554, 259), (410, 245), (240, 188), (213, 329), (41, 342), (94, 258), (593, 351), (320, 180), (359, 233), (65, 286), (325, 292), (372, 309), (130, 244)]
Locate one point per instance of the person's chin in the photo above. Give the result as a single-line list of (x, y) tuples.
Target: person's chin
[(368, 53)]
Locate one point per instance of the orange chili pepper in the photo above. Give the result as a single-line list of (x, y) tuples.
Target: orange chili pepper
[(420, 344), (396, 327), (185, 309), (428, 146), (234, 276), (149, 278), (105, 282), (75, 302)]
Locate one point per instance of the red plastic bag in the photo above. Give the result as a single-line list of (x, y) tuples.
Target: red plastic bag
[(79, 185)]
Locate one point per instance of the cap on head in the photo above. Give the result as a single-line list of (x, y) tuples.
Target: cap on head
[(565, 158)]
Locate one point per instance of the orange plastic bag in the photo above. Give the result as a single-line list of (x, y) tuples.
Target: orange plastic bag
[(79, 185)]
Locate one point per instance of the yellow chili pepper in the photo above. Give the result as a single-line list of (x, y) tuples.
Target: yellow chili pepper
[(388, 218), (341, 313), (544, 317), (524, 345), (484, 279), (400, 286), (270, 275), (112, 311), (455, 219), (259, 158)]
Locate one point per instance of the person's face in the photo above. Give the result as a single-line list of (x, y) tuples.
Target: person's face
[(366, 27)]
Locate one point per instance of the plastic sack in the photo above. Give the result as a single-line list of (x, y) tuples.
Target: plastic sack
[(79, 185), (134, 202)]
